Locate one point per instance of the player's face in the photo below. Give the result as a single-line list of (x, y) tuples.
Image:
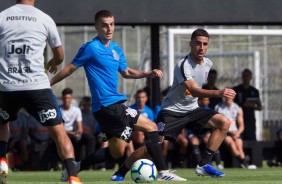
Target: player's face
[(66, 99), (141, 99), (247, 77), (86, 106), (229, 100), (199, 47), (105, 27), (212, 78)]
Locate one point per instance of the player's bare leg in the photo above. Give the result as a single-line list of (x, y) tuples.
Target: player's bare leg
[(221, 125), (153, 148), (4, 137), (65, 150)]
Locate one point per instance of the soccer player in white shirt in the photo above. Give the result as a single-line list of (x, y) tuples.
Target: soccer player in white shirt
[(24, 31)]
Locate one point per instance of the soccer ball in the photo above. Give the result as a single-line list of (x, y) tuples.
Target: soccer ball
[(143, 171)]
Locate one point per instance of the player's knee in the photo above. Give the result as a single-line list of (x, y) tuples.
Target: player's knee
[(117, 153), (143, 150), (184, 142), (224, 125), (152, 127)]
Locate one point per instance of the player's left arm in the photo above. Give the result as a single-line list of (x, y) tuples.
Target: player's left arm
[(196, 91), (258, 105), (240, 121), (68, 70), (79, 126), (130, 73)]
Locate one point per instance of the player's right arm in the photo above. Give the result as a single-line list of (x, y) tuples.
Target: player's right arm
[(68, 70), (196, 91)]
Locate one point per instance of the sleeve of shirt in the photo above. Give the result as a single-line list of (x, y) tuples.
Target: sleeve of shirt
[(216, 108), (183, 72), (82, 56), (122, 61), (79, 115), (53, 35)]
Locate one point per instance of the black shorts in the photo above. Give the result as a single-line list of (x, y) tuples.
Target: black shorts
[(41, 104), (117, 120), (170, 124)]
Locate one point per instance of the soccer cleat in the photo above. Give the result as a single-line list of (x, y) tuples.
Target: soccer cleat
[(65, 175), (220, 167), (252, 167), (3, 170), (74, 180), (169, 175), (117, 177), (208, 170)]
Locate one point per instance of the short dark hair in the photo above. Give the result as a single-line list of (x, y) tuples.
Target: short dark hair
[(246, 70), (67, 91), (199, 32), (141, 91), (213, 71), (103, 13), (86, 99)]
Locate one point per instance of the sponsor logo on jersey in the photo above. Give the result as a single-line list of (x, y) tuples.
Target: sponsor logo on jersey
[(14, 82), (25, 18), (131, 112), (25, 69), (19, 49), (115, 54), (46, 115), (206, 75), (187, 93), (4, 114), (160, 126), (126, 134), (102, 136)]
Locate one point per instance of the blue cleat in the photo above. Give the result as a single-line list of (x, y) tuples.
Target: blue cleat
[(208, 170), (117, 177)]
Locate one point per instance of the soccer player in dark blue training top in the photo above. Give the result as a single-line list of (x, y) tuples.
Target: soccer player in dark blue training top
[(102, 60)]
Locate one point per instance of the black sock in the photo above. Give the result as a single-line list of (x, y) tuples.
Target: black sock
[(216, 157), (197, 153), (70, 166), (241, 160), (154, 148), (121, 160), (122, 170), (206, 157), (137, 145), (3, 149), (182, 158), (98, 156)]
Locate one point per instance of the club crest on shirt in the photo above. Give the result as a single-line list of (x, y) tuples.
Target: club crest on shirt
[(206, 75), (115, 54), (160, 126), (131, 112), (187, 93), (4, 114)]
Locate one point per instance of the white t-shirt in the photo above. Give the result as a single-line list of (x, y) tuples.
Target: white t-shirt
[(24, 31), (71, 116), (179, 99), (230, 112)]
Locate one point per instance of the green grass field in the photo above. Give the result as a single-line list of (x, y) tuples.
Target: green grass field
[(258, 176)]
